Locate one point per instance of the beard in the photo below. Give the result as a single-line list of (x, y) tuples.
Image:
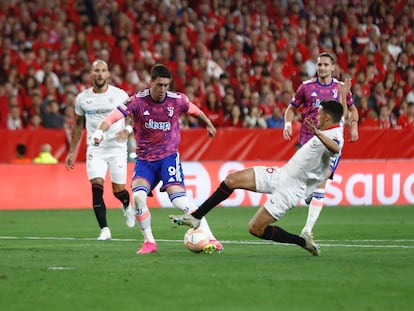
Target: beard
[(99, 85)]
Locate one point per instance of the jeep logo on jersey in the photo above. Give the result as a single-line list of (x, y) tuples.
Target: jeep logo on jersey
[(151, 124)]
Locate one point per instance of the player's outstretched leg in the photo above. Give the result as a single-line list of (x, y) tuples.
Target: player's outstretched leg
[(180, 201), (310, 245), (277, 234), (185, 220)]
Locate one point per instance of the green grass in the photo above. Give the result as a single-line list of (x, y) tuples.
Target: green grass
[(50, 260)]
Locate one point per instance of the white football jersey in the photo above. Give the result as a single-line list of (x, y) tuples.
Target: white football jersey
[(313, 162), (95, 107)]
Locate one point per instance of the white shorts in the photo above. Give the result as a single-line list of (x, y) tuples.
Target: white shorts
[(284, 192), (99, 160)]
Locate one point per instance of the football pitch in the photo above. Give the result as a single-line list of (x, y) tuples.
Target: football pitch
[(50, 260)]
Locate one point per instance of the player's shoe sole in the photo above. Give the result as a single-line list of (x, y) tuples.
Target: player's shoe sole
[(185, 220), (217, 244), (209, 248)]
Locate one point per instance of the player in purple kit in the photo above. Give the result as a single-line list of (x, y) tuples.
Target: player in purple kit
[(308, 97), (155, 113)]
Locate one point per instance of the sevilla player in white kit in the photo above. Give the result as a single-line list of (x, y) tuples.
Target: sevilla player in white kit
[(306, 100), (91, 107), (303, 173), (156, 112)]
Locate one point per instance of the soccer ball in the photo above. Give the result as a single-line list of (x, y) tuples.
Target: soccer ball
[(196, 239)]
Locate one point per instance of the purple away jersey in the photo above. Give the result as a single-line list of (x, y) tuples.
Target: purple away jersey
[(308, 97), (156, 124)]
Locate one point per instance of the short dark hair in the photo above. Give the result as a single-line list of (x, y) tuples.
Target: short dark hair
[(334, 109), (160, 71), (21, 149), (329, 55)]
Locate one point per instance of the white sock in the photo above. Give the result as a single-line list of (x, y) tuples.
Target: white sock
[(315, 208), (143, 216), (187, 207)]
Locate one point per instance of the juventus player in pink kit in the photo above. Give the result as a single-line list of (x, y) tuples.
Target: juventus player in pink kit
[(308, 97), (155, 113)]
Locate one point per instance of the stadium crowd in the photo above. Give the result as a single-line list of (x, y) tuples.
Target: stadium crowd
[(239, 61)]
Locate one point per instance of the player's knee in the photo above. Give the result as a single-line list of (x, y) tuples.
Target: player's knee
[(140, 198), (230, 181), (117, 188), (254, 229)]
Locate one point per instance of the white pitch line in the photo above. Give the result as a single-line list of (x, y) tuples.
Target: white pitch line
[(337, 243)]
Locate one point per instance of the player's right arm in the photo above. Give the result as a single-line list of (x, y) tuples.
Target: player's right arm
[(75, 137), (289, 114), (330, 144), (115, 115)]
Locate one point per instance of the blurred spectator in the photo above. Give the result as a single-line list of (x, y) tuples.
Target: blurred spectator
[(45, 71), (14, 120), (69, 116), (394, 47), (35, 122), (267, 104), (251, 45), (212, 109), (377, 97), (363, 109), (228, 103), (410, 96), (371, 120), (51, 116), (235, 118), (385, 118), (254, 119), (407, 120), (21, 156), (45, 155), (276, 120), (254, 101)]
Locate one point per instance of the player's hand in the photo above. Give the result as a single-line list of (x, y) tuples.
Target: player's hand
[(311, 126), (211, 130), (287, 131), (345, 88), (122, 136), (70, 161), (354, 136), (97, 137)]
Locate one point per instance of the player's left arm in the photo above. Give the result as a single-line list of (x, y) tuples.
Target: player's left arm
[(353, 123), (196, 112), (112, 117), (350, 112)]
